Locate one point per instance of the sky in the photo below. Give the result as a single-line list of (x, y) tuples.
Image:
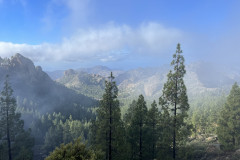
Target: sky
[(121, 34)]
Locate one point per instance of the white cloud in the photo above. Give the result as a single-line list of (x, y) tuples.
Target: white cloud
[(109, 43), (155, 38)]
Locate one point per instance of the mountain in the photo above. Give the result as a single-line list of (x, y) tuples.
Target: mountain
[(146, 81), (37, 93), (55, 74), (100, 70), (91, 85), (202, 79), (215, 76)]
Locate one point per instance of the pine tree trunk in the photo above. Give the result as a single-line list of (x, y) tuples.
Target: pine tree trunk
[(9, 146), (175, 116), (174, 132), (140, 142), (110, 134), (233, 141), (195, 131), (110, 123), (153, 152), (106, 149), (132, 146), (8, 137)]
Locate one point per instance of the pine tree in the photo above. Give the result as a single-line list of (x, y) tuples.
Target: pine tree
[(165, 136), (8, 115), (130, 131), (153, 128), (11, 127), (228, 130), (137, 129), (110, 129), (174, 100)]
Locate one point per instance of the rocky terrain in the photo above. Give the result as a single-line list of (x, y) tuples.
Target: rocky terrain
[(201, 79)]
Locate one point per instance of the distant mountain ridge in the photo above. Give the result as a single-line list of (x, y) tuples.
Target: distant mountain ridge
[(99, 70), (202, 78)]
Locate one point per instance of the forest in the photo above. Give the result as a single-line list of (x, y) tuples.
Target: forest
[(168, 129)]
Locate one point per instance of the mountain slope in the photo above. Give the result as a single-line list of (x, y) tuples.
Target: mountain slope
[(37, 92), (91, 85), (201, 79), (55, 74)]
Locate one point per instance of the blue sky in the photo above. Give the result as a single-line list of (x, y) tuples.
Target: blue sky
[(62, 34)]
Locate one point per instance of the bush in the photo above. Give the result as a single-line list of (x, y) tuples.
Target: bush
[(72, 151)]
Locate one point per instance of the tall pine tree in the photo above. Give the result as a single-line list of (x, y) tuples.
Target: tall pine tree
[(174, 100), (12, 134), (130, 132), (153, 128), (228, 130), (110, 129), (136, 129)]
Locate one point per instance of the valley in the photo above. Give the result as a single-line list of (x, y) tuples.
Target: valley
[(72, 96)]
